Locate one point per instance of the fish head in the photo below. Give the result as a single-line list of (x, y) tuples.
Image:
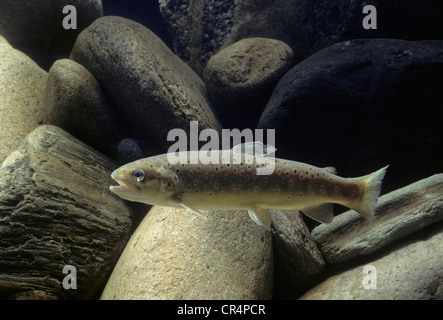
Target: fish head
[(147, 181)]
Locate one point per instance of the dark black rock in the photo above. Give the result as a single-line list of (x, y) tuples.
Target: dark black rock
[(362, 104), (201, 28)]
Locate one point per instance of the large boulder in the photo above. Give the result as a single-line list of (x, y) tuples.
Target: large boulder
[(240, 79), (175, 254), (154, 89), (36, 28), (360, 105), (56, 211), (200, 28), (22, 86)]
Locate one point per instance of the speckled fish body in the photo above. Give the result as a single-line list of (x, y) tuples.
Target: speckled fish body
[(236, 185)]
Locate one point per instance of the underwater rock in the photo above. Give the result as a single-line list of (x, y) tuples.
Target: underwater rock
[(175, 254), (22, 84), (349, 104), (154, 89), (200, 28), (36, 28), (398, 214), (297, 261), (75, 102), (56, 210), (411, 271), (240, 79)]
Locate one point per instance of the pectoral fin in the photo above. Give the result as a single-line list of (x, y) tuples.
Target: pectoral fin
[(322, 213), (194, 211), (261, 217)]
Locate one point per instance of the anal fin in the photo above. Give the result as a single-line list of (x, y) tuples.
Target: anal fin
[(322, 213), (261, 217)]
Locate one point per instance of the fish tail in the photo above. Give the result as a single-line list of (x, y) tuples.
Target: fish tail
[(371, 188)]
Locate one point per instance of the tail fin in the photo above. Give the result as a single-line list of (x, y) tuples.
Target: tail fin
[(371, 190)]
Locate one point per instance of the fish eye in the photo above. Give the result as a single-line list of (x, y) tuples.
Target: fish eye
[(138, 175)]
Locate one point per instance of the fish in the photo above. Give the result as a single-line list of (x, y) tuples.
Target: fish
[(235, 183)]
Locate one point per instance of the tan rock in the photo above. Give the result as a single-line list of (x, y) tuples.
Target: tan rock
[(56, 210), (22, 84), (175, 254), (409, 271)]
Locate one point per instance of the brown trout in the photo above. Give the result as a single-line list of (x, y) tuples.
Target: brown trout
[(236, 185)]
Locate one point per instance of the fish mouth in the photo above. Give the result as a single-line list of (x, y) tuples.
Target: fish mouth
[(122, 186)]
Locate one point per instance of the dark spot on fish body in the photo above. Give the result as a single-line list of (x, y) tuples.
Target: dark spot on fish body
[(290, 183)]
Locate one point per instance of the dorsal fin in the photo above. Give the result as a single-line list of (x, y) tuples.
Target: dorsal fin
[(331, 170), (256, 148)]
